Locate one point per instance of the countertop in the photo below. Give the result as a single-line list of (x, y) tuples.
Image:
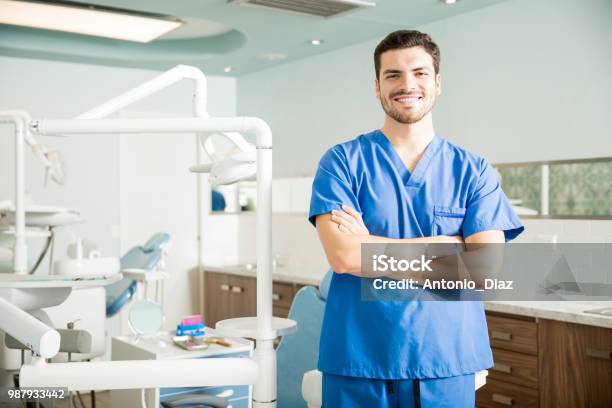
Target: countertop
[(566, 311), (302, 275)]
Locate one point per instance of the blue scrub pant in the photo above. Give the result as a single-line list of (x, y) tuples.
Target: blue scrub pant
[(354, 392)]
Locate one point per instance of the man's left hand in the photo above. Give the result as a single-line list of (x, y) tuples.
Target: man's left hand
[(349, 221)]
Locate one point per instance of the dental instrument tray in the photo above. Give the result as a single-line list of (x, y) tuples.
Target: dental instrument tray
[(199, 343), (188, 343)]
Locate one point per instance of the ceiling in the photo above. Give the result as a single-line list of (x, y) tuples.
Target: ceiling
[(220, 34)]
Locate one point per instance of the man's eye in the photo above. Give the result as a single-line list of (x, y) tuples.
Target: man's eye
[(392, 76), (422, 73)]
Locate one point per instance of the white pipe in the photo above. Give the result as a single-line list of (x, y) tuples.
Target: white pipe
[(199, 111), (264, 391), (56, 127), (30, 331), (264, 237), (20, 252), (156, 84), (128, 374)]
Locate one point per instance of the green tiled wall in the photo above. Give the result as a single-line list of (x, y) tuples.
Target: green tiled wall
[(575, 189), (522, 183)]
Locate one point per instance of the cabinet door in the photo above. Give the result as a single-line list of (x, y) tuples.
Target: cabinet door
[(217, 298), (228, 296), (575, 365), (243, 296), (282, 294)]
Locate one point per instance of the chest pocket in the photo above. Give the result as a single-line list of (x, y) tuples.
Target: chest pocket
[(448, 220)]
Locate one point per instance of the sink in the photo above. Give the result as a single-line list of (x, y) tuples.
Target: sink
[(606, 311)]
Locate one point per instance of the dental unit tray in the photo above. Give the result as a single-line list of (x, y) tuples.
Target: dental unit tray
[(41, 215), (9, 280)]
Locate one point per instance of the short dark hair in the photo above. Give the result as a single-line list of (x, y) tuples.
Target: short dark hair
[(407, 39)]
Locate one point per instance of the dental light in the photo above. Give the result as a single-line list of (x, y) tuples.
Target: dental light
[(227, 167)]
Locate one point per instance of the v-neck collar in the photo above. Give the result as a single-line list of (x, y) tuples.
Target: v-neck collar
[(414, 179)]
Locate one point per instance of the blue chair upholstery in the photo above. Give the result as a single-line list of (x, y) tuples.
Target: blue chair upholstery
[(141, 257), (299, 352)]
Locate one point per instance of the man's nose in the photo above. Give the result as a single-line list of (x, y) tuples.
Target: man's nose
[(409, 81)]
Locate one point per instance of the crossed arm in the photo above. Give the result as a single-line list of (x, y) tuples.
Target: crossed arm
[(342, 233)]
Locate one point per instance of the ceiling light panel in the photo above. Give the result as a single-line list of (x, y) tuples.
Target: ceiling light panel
[(120, 25)]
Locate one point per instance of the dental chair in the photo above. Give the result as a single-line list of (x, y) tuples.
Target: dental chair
[(312, 379), (298, 354), (148, 257)]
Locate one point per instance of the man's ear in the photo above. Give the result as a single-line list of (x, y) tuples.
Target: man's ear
[(438, 84), (377, 87)]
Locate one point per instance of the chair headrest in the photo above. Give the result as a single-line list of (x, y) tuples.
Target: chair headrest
[(139, 259), (156, 242), (324, 286)]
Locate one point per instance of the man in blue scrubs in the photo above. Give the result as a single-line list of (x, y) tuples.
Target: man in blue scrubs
[(403, 184)]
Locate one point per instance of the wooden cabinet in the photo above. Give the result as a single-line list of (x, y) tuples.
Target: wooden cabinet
[(575, 365), (227, 296), (546, 364)]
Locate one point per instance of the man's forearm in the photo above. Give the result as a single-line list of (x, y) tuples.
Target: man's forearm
[(347, 252)]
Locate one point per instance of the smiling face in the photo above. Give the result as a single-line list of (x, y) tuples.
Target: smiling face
[(408, 84)]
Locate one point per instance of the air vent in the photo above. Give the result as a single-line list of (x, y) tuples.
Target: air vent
[(320, 8)]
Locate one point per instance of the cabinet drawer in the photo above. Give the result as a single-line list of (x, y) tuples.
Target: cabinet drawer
[(282, 294), (499, 394), (515, 368), (513, 334)]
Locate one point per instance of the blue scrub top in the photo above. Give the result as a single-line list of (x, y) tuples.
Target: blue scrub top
[(450, 192)]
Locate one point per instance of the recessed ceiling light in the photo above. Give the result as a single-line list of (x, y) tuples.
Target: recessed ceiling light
[(449, 1), (228, 69), (272, 56), (88, 20), (316, 41)]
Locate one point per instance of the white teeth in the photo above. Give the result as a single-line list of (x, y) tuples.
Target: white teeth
[(409, 99)]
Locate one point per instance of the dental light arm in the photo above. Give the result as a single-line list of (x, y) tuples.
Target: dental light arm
[(30, 331), (20, 120), (243, 162), (105, 375), (152, 86)]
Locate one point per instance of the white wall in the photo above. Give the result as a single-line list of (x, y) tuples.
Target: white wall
[(128, 187), (522, 80)]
